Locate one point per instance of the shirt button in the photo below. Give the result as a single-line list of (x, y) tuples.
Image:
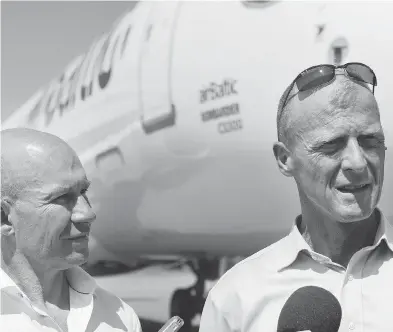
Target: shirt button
[(350, 277), (351, 326)]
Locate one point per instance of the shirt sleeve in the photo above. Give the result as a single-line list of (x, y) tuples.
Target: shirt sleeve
[(212, 319), (137, 324), (134, 325)]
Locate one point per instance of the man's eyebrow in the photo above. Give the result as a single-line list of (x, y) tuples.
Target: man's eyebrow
[(319, 142), (53, 190), (62, 188), (375, 133), (77, 184)]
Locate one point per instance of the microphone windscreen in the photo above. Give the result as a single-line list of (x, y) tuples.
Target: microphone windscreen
[(310, 308)]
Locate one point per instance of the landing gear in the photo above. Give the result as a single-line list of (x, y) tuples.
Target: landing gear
[(187, 303), (183, 305)]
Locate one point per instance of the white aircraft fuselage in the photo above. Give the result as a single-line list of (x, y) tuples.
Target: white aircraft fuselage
[(173, 114)]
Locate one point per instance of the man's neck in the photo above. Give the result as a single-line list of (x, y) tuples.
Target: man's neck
[(42, 286), (336, 240)]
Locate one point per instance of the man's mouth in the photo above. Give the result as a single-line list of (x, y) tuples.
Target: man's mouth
[(353, 188), (77, 237)]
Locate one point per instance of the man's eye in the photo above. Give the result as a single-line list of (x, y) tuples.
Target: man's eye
[(63, 197), (330, 147), (372, 142), (83, 193)]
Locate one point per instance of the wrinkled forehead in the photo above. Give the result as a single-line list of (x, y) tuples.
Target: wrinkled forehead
[(55, 158), (57, 165), (341, 104)]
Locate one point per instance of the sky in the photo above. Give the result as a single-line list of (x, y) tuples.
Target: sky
[(40, 38)]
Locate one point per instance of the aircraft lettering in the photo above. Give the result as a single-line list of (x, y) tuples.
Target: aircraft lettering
[(229, 126), (105, 65), (216, 91), (96, 66), (50, 103), (35, 111), (125, 40), (88, 69), (61, 101), (216, 113), (67, 92)]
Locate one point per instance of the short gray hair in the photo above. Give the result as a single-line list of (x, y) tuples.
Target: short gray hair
[(11, 187), (283, 116)]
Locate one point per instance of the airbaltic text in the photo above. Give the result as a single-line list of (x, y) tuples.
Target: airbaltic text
[(215, 91)]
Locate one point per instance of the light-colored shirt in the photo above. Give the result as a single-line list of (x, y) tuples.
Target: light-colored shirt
[(92, 309), (251, 295)]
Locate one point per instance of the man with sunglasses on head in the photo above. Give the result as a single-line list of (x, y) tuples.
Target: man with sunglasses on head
[(331, 141), (45, 226)]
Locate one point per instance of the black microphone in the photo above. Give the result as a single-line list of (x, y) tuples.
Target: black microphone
[(312, 309)]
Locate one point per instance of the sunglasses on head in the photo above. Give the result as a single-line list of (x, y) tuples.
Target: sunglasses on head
[(316, 76)]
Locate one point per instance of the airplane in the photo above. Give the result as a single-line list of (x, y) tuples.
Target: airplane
[(173, 114)]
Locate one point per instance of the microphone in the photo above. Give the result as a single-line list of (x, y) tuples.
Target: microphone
[(172, 325), (311, 309)]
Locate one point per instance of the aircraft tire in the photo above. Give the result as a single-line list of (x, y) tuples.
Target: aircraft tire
[(182, 305)]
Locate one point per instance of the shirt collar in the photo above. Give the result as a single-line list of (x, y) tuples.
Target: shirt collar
[(78, 279), (385, 231), (294, 243), (6, 281)]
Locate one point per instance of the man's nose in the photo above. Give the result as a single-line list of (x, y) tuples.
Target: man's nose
[(354, 159), (82, 211)]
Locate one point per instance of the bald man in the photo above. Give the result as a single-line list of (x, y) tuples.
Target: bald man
[(331, 141), (45, 225)]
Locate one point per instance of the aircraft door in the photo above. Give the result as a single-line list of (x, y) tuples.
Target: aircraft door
[(158, 111)]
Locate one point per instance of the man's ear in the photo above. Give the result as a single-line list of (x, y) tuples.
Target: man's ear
[(7, 228), (284, 159)]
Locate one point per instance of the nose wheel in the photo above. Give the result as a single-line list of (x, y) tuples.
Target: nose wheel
[(183, 304), (187, 303)]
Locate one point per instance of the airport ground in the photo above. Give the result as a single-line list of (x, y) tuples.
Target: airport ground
[(148, 290)]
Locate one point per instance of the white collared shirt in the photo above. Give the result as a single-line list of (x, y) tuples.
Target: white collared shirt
[(92, 309), (251, 295)]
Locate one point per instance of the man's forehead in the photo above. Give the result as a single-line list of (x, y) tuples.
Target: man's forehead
[(61, 169), (24, 156), (338, 104), (59, 161), (69, 171), (342, 124), (52, 170)]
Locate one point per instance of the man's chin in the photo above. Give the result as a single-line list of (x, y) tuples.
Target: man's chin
[(78, 258), (353, 213)]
